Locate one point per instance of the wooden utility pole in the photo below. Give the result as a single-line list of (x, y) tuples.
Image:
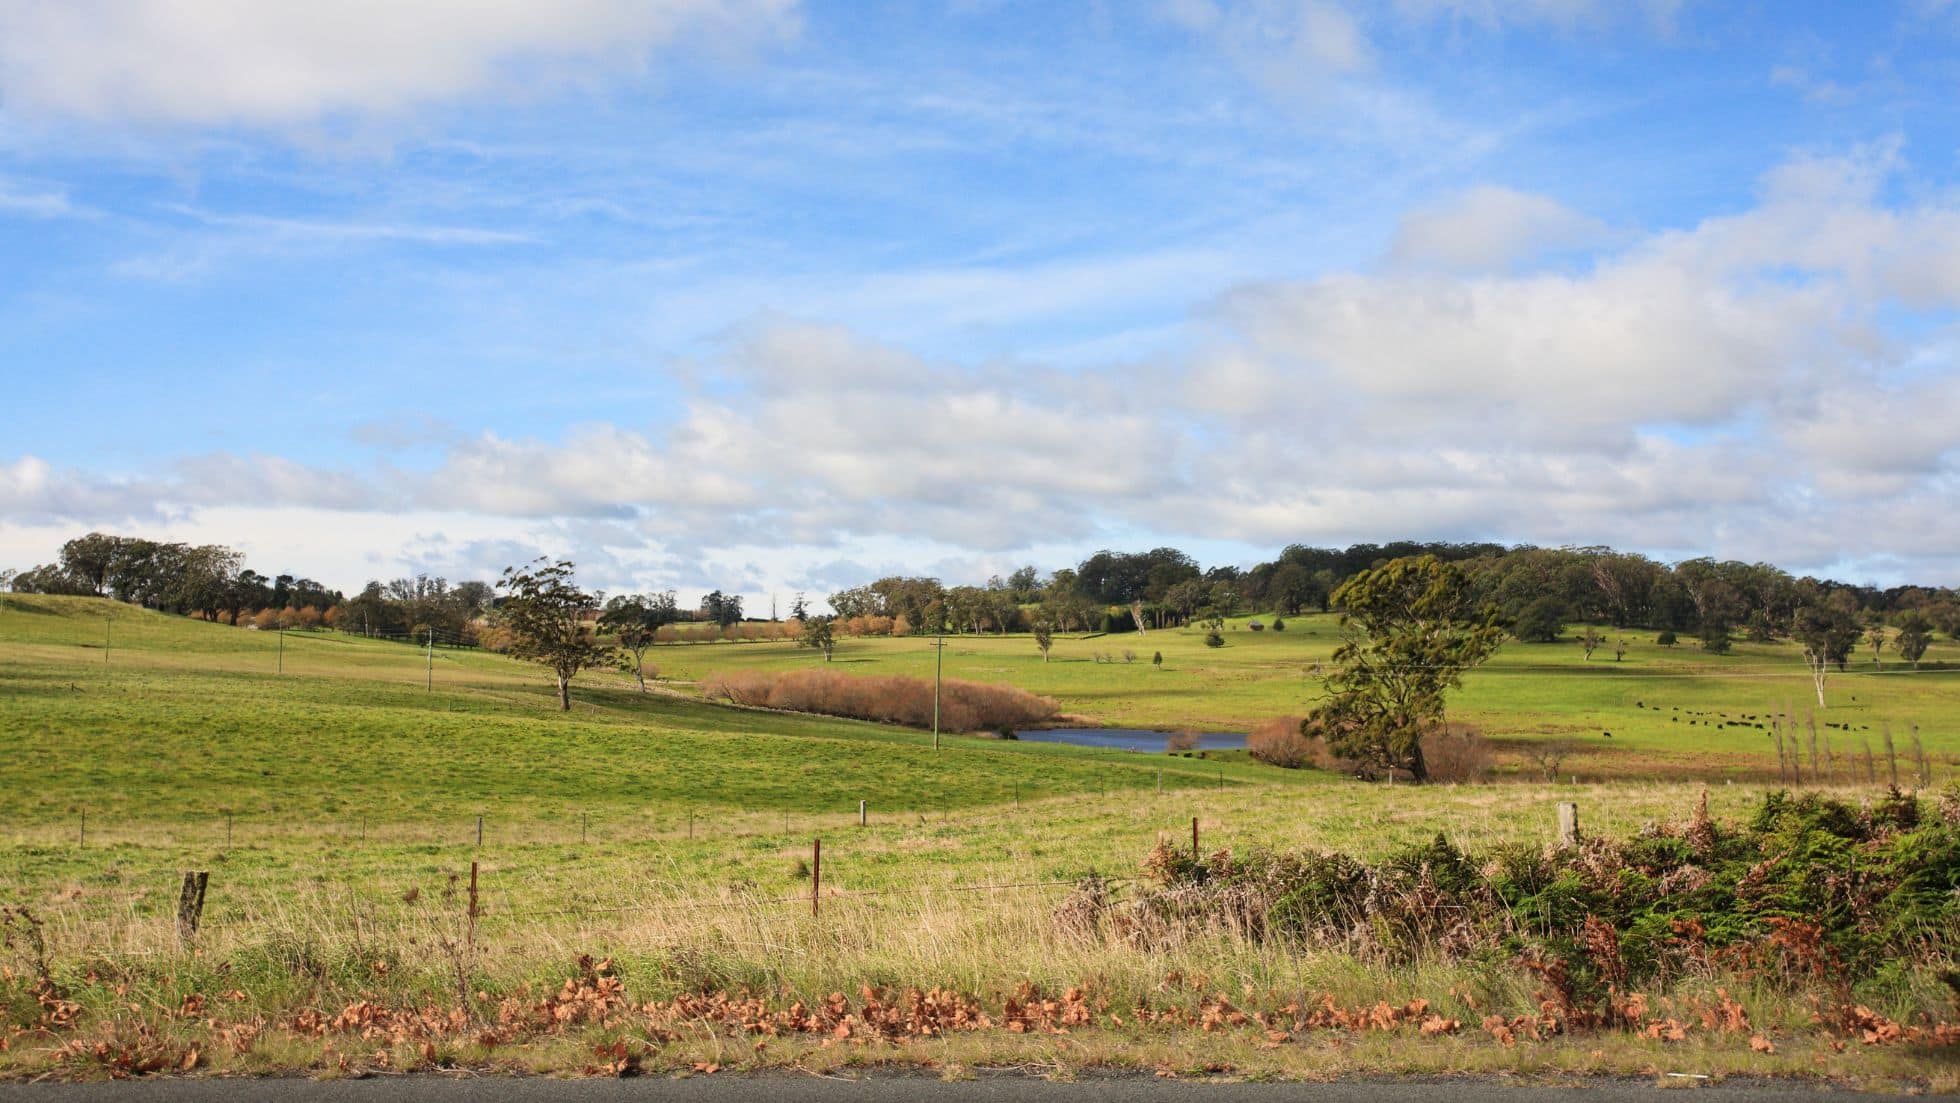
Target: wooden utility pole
[(938, 664)]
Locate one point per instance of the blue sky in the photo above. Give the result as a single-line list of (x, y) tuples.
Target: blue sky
[(767, 296)]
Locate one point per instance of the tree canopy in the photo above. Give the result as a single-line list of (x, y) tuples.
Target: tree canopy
[(1412, 627), (635, 620), (546, 613)]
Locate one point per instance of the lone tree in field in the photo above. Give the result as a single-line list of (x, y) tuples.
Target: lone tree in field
[(1044, 637), (633, 619), (1828, 634), (1875, 636), (1410, 632), (1915, 635), (545, 612), (818, 633)]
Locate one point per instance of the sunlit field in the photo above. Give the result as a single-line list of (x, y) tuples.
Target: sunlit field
[(332, 787)]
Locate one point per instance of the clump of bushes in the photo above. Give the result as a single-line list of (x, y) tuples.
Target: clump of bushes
[(1281, 743), (1454, 752), (1812, 892), (1457, 753), (892, 699), (1214, 639)]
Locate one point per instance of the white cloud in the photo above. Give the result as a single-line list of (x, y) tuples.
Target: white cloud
[(1291, 46), (295, 62), (30, 202), (1491, 228), (1308, 49), (1774, 383)]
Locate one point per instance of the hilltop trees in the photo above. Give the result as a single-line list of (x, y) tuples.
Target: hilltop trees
[(635, 620), (721, 609), (1291, 588), (1538, 590), (1541, 621), (545, 613), (1412, 628), (1118, 578)]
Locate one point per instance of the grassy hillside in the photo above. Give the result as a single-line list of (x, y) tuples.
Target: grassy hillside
[(186, 720)]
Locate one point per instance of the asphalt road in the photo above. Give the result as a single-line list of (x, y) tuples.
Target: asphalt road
[(886, 1089)]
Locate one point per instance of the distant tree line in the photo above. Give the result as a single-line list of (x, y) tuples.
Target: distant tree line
[(1536, 590), (205, 580), (212, 582)]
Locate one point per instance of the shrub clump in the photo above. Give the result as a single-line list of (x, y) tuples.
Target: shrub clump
[(1281, 743), (1454, 752), (1459, 753), (892, 699), (1811, 892)]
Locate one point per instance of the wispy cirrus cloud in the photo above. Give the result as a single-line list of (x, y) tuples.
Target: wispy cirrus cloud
[(30, 201)]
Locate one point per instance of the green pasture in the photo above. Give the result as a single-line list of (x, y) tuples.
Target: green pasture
[(186, 721), (178, 728), (332, 794), (1675, 711)]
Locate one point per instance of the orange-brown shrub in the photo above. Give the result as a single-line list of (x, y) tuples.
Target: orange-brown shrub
[(1279, 743), (891, 699), (1457, 752), (874, 625), (1294, 743)]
